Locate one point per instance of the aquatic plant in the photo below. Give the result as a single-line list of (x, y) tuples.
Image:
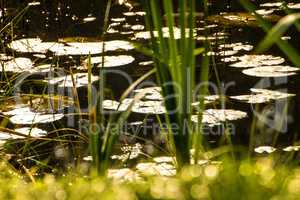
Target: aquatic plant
[(175, 65)]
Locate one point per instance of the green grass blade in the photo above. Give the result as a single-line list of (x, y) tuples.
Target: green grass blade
[(278, 31), (286, 48)]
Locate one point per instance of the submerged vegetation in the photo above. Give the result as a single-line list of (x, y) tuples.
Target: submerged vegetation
[(149, 99)]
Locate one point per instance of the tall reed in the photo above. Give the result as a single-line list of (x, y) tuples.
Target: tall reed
[(175, 64)]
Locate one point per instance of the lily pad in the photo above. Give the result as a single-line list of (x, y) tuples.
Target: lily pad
[(164, 159), (262, 96), (211, 38), (22, 133), (33, 45), (152, 169), (111, 61), (166, 34), (18, 65), (236, 46), (150, 93), (36, 45), (217, 116), (240, 19), (124, 174), (142, 107), (117, 106), (273, 4), (292, 148), (208, 100), (264, 149), (33, 132), (129, 152), (265, 11), (271, 71), (293, 5), (80, 80), (90, 48), (35, 118), (149, 107), (121, 19), (129, 14), (227, 53), (89, 19), (248, 61), (138, 27), (146, 63)]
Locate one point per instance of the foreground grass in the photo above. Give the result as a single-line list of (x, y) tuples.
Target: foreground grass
[(260, 179)]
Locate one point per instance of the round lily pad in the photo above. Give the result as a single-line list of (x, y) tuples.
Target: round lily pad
[(265, 149), (292, 148), (262, 96), (166, 34), (271, 71), (36, 45), (18, 65), (32, 132), (151, 169), (111, 61), (35, 118), (236, 46), (248, 61), (293, 5), (80, 80), (117, 106), (124, 174), (33, 45), (149, 107), (217, 116), (150, 93)]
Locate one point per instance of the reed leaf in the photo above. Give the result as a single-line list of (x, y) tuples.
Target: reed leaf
[(278, 31)]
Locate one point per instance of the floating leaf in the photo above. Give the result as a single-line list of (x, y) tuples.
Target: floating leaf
[(124, 174), (271, 71), (293, 5), (166, 34), (236, 46), (36, 45), (215, 116), (164, 159), (111, 61), (18, 65), (262, 96), (149, 107), (117, 106), (129, 152), (264, 149), (152, 169), (247, 61), (150, 93), (80, 79), (138, 27), (292, 148), (275, 4), (35, 118)]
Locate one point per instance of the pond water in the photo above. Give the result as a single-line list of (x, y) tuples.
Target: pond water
[(47, 54)]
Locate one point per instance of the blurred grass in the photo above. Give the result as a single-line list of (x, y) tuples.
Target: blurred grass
[(260, 179)]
